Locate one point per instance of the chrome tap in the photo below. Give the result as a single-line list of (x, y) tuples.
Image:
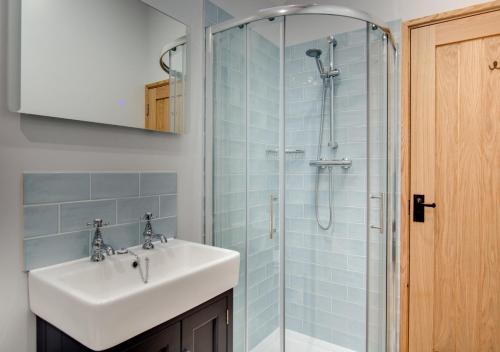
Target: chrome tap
[(98, 245), (149, 234)]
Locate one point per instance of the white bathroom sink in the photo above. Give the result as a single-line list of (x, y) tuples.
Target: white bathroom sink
[(103, 304)]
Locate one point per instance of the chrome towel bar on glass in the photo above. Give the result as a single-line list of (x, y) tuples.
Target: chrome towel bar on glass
[(287, 151)]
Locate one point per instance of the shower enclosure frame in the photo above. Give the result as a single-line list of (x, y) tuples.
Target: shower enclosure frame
[(392, 285)]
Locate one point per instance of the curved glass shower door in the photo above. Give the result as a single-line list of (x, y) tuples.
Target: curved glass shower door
[(229, 149), (263, 232), (246, 91), (299, 123)]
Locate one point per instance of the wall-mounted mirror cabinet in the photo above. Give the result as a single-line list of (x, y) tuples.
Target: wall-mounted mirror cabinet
[(116, 62)]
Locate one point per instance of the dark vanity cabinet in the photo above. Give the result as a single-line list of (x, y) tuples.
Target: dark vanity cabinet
[(165, 340), (206, 328)]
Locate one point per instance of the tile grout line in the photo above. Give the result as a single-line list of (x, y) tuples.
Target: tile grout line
[(95, 200), (140, 194), (89, 234), (59, 218), (159, 206), (83, 229), (140, 180)]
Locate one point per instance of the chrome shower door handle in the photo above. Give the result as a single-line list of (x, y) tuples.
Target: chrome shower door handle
[(381, 197), (272, 229)]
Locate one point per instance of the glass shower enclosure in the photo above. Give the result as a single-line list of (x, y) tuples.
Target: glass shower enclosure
[(301, 176)]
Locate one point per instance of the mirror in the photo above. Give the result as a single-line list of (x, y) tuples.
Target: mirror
[(117, 62)]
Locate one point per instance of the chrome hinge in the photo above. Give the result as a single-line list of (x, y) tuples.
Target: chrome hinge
[(227, 316)]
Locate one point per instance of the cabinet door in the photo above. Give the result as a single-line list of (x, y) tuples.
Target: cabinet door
[(166, 340), (207, 329)]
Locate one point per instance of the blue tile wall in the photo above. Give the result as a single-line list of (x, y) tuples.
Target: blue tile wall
[(214, 14), (323, 266), (58, 206), (326, 271)]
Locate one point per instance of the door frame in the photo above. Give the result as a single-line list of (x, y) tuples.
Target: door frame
[(406, 28)]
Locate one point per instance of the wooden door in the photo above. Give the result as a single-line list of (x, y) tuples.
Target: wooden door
[(454, 265), (157, 102), (207, 329)]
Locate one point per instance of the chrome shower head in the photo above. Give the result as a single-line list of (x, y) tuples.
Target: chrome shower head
[(315, 54)]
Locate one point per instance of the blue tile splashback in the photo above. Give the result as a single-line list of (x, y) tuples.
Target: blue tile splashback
[(132, 209), (52, 188), (54, 249), (113, 185), (58, 206), (75, 216), (168, 206), (164, 225), (158, 183), (41, 220), (123, 236)]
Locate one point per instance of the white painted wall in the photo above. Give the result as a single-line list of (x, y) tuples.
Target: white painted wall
[(92, 72), (30, 143)]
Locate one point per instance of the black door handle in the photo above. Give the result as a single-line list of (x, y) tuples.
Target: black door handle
[(432, 205), (419, 206)]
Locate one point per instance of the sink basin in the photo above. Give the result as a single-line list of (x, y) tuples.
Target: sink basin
[(103, 304)]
